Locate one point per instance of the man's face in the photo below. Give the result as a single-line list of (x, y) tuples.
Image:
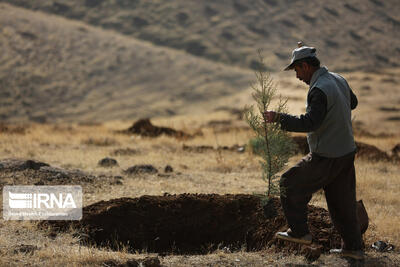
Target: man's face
[(303, 72)]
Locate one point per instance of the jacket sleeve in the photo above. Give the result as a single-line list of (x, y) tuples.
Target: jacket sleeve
[(353, 100), (310, 121)]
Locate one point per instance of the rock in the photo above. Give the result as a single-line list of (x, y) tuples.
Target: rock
[(145, 168), (108, 162), (168, 168)]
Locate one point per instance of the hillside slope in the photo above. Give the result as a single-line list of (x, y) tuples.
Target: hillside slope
[(53, 69), (350, 35)]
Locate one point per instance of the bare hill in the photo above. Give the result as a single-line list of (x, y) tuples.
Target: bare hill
[(53, 68), (350, 35)]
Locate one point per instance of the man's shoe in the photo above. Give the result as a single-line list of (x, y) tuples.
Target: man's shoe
[(306, 239), (354, 254)]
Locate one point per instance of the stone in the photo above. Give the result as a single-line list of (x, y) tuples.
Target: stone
[(108, 162)]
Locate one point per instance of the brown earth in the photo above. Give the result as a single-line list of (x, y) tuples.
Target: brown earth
[(372, 153), (194, 224), (145, 128), (364, 151), (31, 172)]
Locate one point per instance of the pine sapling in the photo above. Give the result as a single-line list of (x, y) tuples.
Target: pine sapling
[(271, 143)]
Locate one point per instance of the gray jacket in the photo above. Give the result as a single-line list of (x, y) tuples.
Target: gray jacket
[(328, 117), (334, 138)]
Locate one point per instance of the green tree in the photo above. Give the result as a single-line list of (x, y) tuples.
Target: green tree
[(273, 144)]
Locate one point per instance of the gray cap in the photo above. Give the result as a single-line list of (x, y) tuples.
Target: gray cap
[(300, 53)]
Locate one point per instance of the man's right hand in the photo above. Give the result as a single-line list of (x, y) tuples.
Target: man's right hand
[(271, 116)]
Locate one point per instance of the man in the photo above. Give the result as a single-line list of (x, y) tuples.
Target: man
[(330, 163)]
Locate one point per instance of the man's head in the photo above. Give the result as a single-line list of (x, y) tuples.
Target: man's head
[(304, 62)]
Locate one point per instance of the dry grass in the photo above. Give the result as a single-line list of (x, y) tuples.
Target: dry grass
[(210, 172), (59, 70)]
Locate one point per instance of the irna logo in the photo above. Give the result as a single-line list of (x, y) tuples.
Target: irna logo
[(28, 202), (41, 200)]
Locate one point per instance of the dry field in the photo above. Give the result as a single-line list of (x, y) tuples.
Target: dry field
[(74, 73), (78, 146)]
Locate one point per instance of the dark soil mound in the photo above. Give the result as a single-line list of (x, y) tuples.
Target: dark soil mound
[(396, 151), (370, 152), (20, 164), (139, 169), (145, 128), (193, 223), (364, 151), (31, 172), (107, 162)]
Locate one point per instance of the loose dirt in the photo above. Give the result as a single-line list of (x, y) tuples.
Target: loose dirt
[(371, 153), (31, 172), (145, 128), (364, 151), (193, 224)]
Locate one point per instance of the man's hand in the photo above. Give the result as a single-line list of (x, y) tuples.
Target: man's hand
[(271, 116)]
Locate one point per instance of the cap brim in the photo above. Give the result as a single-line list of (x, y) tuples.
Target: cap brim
[(290, 67)]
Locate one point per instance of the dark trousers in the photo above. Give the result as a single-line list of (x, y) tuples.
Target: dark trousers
[(337, 177)]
